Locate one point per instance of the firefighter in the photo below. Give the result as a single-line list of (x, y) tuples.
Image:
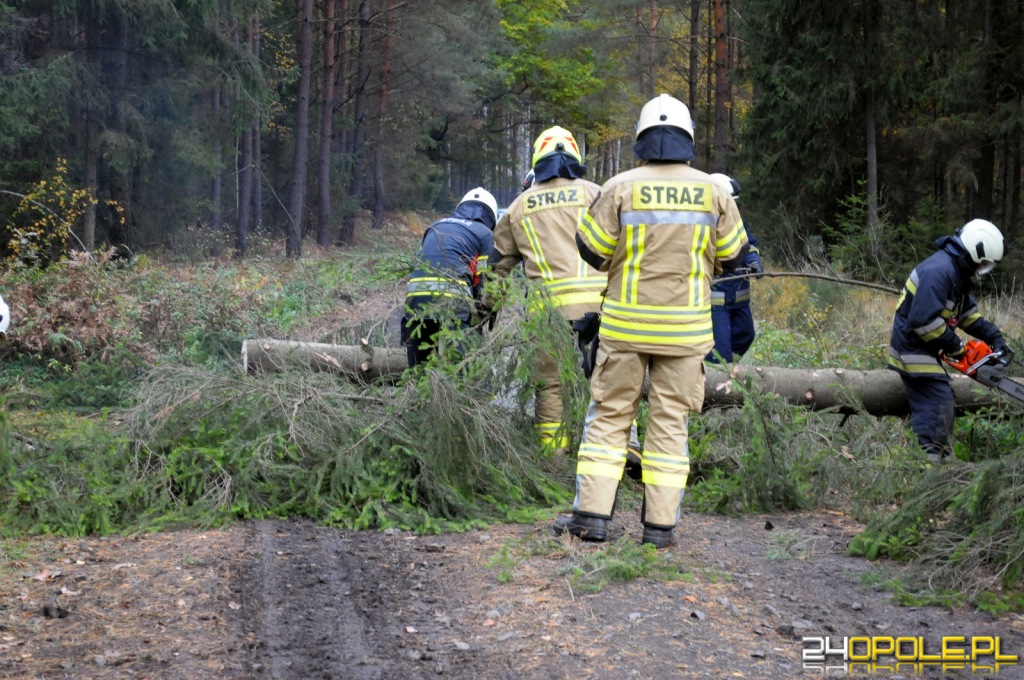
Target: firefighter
[(731, 318), (539, 230), (452, 257), (661, 231), (937, 300)]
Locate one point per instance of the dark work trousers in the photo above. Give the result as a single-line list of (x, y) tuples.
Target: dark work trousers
[(932, 410), (419, 337), (733, 326)]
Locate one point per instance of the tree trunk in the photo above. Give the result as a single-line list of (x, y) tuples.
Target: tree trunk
[(217, 188), (244, 194), (693, 85), (874, 223), (297, 205), (257, 145), (92, 160), (355, 187), (385, 81), (721, 87), (876, 392), (323, 232), (362, 363)]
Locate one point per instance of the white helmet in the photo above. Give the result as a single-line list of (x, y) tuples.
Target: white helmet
[(483, 196), (727, 183), (5, 316), (665, 110), (984, 242)]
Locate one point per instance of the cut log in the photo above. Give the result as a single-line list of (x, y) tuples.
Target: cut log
[(361, 363), (875, 392)]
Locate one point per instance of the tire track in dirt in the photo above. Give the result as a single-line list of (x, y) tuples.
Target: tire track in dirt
[(308, 622)]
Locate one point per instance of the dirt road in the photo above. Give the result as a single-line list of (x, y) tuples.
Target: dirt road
[(290, 599)]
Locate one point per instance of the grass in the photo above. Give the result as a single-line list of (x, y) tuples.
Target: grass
[(123, 410)]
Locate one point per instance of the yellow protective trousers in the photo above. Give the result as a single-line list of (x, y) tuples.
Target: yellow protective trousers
[(552, 434), (676, 391)]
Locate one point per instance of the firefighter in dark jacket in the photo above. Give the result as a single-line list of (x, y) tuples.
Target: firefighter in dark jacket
[(937, 300), (452, 257), (731, 318)]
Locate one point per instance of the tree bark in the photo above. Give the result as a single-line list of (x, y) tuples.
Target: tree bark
[(297, 205), (721, 87), (387, 50), (876, 392), (693, 84), (355, 187), (362, 363), (244, 194), (323, 232)]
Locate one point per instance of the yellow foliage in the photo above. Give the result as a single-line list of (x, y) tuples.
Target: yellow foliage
[(38, 231)]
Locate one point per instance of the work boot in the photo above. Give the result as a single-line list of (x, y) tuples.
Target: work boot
[(583, 527), (634, 463), (659, 538)]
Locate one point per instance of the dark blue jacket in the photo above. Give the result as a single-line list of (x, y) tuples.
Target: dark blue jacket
[(936, 300), (737, 291), (452, 256)]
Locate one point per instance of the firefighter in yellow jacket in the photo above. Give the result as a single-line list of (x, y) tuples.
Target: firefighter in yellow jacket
[(661, 231), (539, 230)]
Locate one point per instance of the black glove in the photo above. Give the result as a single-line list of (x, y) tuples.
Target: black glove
[(957, 354), (999, 345), (756, 267)]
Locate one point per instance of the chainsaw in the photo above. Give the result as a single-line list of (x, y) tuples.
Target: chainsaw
[(987, 367)]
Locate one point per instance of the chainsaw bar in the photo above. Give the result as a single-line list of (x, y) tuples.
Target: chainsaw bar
[(994, 376)]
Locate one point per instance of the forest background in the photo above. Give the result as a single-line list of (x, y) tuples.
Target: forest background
[(859, 130)]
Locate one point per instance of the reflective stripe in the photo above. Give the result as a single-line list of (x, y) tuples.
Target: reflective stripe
[(549, 429), (969, 316), (598, 460), (659, 334), (602, 452), (687, 315), (680, 217), (581, 298), (597, 237), (581, 283), (700, 244), (670, 480), (728, 247), (663, 469), (932, 329), (538, 251), (631, 268), (595, 469), (916, 364)]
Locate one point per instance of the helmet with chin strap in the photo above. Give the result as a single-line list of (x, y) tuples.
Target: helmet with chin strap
[(483, 196), (983, 242), (665, 110)]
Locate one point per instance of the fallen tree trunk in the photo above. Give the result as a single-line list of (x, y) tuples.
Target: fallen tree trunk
[(361, 363), (875, 392)]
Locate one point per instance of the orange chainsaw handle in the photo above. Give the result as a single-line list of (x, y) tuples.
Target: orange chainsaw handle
[(976, 353)]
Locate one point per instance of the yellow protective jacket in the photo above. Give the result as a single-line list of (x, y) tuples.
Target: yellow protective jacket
[(539, 229), (661, 231)]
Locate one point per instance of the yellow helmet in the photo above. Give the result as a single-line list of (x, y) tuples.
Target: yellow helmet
[(553, 140)]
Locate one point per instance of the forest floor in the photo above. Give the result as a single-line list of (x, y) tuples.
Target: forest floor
[(292, 599)]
